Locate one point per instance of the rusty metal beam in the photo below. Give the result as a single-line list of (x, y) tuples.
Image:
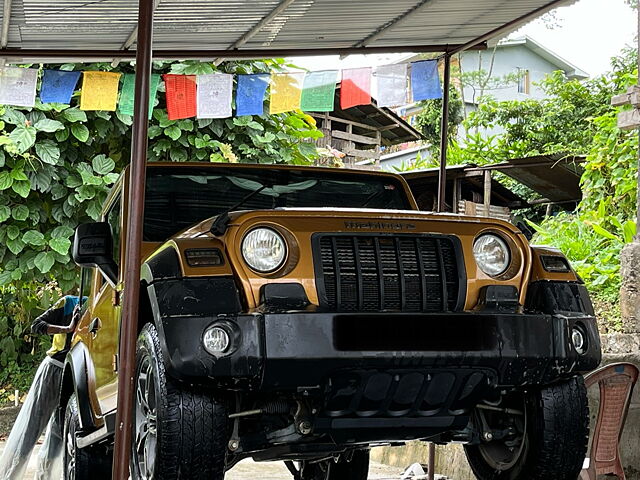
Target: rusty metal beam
[(20, 55), (444, 137), (266, 20), (135, 211)]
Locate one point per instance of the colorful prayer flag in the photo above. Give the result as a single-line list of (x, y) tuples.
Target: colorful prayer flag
[(355, 88), (58, 86), (425, 81), (18, 86), (286, 90), (391, 82), (127, 93), (250, 94), (214, 95), (181, 95), (318, 91), (99, 91)]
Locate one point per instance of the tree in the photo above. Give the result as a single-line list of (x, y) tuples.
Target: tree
[(58, 162), (429, 120)]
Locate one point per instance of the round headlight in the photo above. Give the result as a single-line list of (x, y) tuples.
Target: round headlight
[(264, 250), (492, 254)]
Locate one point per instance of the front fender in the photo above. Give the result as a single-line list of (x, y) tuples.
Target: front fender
[(79, 378)]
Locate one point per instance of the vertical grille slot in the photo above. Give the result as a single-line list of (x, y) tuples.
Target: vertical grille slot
[(368, 272)]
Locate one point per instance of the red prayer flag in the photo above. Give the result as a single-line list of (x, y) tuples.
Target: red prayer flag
[(356, 87), (181, 95)]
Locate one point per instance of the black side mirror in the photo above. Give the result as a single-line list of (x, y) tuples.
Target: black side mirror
[(93, 247)]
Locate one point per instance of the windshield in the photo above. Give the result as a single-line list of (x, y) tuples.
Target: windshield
[(177, 198)]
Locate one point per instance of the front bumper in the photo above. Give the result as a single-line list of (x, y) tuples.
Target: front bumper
[(309, 351)]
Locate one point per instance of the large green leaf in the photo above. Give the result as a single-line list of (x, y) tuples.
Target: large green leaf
[(14, 117), (80, 132), (103, 164), (173, 132), (48, 125), (5, 213), (60, 245), (62, 231), (48, 152), (5, 180), (24, 137), (20, 212), (44, 261), (13, 232), (74, 115), (33, 237), (15, 246), (22, 188)]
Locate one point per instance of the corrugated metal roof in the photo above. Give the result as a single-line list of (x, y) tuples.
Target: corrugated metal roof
[(217, 24)]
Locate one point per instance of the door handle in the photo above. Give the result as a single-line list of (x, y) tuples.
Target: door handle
[(94, 326)]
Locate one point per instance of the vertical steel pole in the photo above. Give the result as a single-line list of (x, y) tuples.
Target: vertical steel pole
[(444, 134), (137, 178), (431, 462)]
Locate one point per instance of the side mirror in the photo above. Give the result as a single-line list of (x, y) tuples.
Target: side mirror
[(93, 247)]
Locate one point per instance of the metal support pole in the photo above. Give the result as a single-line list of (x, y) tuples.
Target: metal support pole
[(431, 462), (444, 134), (137, 179)]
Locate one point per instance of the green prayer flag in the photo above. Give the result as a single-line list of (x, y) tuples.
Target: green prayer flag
[(125, 105), (318, 91)]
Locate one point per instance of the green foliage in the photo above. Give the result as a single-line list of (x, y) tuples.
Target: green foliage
[(58, 162), (429, 120)]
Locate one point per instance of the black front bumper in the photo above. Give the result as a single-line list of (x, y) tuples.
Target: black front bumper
[(308, 351)]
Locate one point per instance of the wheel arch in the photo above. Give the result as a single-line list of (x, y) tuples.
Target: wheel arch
[(79, 377)]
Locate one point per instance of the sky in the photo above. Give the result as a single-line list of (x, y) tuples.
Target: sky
[(586, 34)]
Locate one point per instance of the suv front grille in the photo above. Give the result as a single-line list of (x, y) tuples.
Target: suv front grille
[(373, 272)]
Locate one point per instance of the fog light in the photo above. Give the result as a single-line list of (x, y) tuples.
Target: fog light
[(579, 340), (216, 340)]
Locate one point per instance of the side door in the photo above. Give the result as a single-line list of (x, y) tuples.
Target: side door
[(105, 316)]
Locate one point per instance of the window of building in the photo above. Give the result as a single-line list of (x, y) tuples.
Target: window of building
[(524, 81)]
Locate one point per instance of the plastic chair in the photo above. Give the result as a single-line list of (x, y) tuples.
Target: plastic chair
[(616, 383)]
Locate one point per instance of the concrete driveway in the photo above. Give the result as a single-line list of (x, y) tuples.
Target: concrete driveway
[(250, 470)]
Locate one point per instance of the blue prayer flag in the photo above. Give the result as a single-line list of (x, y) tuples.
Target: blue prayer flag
[(250, 94), (58, 86), (425, 81)]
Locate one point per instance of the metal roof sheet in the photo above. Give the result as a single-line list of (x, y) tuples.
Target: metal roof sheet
[(290, 24)]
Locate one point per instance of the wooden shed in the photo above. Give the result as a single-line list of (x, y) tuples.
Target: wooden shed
[(362, 132)]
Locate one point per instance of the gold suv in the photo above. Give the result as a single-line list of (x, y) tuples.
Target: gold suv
[(306, 314)]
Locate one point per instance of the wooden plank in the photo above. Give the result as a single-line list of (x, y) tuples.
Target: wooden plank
[(632, 97), (487, 192), (629, 119), (363, 153), (346, 122), (354, 137)]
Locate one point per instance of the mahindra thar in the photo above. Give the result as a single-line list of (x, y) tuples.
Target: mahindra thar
[(308, 314)]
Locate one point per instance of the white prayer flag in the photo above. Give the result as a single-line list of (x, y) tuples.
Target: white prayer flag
[(391, 85), (214, 95), (18, 86)]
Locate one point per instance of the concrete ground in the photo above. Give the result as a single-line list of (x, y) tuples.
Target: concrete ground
[(250, 470)]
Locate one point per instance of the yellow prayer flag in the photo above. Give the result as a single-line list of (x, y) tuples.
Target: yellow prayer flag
[(99, 91), (286, 90)]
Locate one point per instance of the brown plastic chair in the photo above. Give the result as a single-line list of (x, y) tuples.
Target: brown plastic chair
[(616, 383)]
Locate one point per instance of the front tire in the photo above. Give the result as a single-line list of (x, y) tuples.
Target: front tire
[(81, 463), (177, 432), (553, 441)]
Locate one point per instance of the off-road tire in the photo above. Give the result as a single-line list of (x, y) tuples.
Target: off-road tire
[(89, 463), (348, 467), (557, 436), (191, 426)]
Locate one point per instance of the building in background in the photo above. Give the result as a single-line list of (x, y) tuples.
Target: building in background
[(509, 71)]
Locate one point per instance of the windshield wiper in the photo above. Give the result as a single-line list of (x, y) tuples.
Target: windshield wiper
[(220, 224)]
